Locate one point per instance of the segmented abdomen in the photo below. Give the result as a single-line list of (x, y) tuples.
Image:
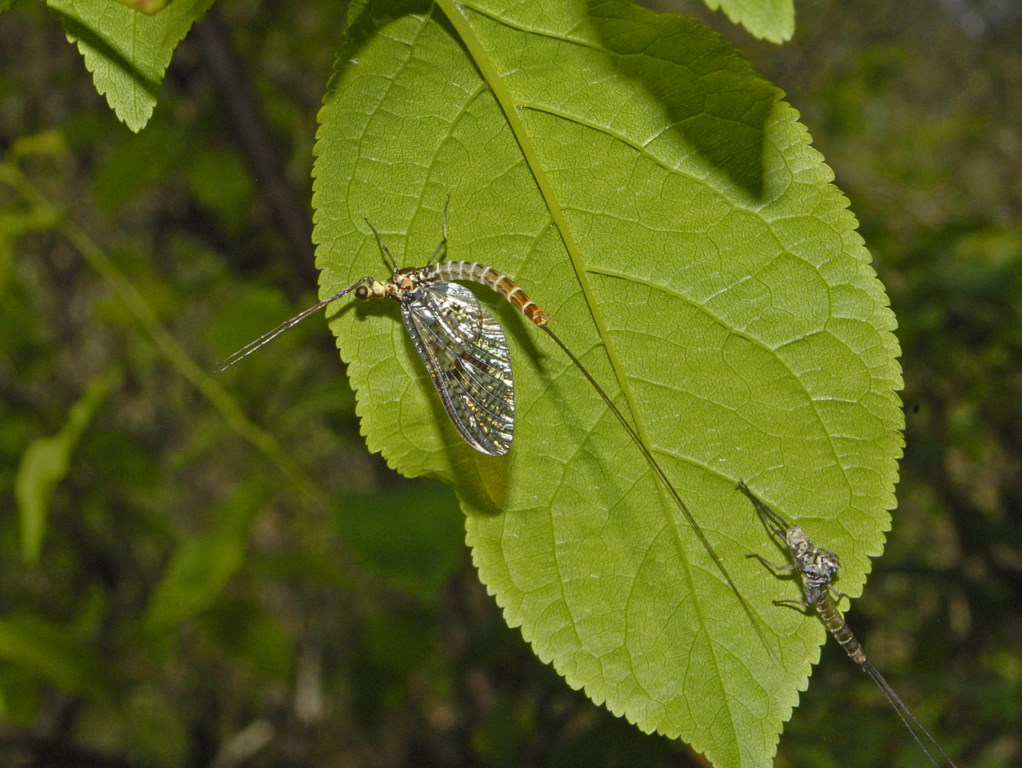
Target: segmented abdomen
[(837, 626), (495, 280)]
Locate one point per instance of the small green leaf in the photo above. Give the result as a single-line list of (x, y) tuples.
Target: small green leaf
[(202, 565), (644, 186), (197, 573), (127, 52), (772, 20), (46, 462), (51, 652)]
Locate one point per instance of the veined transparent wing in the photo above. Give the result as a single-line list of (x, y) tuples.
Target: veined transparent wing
[(465, 351)]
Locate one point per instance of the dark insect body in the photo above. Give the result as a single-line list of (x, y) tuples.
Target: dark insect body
[(817, 568)]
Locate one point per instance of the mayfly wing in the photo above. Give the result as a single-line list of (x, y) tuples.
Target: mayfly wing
[(466, 354)]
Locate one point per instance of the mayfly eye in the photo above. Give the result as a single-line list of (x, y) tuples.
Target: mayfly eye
[(362, 292)]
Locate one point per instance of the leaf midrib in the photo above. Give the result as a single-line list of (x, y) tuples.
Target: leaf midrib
[(507, 105)]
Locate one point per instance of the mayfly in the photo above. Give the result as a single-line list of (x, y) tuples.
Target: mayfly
[(465, 352), (817, 567)]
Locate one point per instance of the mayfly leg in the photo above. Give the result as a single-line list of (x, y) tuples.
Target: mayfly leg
[(389, 257), (443, 243), (817, 568)]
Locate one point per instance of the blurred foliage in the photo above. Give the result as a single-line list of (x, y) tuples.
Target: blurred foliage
[(45, 463), (193, 603)]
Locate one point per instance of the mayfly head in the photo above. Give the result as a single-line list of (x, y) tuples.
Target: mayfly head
[(372, 288)]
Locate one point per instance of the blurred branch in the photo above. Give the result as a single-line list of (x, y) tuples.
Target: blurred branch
[(240, 748), (178, 356), (253, 134)]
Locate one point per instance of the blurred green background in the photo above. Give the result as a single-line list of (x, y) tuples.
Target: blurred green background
[(216, 588)]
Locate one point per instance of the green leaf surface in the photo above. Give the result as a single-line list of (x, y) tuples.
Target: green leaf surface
[(46, 462), (647, 189), (145, 6), (127, 52), (48, 650), (772, 20)]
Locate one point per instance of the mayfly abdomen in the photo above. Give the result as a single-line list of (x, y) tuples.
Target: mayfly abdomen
[(838, 627), (494, 280)]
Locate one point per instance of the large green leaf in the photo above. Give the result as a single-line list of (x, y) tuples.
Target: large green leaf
[(127, 52), (772, 20), (646, 188)]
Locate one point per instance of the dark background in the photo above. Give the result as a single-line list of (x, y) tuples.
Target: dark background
[(320, 610)]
